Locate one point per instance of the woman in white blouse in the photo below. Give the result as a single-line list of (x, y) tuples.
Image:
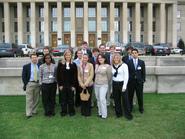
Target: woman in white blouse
[(119, 86)]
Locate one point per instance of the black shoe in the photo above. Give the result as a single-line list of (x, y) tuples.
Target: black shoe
[(62, 114), (99, 116), (129, 117), (141, 111), (28, 117)]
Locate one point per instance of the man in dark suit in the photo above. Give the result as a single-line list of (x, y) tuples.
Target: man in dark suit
[(30, 78), (86, 50), (136, 79), (128, 57)]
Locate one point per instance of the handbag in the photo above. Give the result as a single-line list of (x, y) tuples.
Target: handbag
[(84, 96)]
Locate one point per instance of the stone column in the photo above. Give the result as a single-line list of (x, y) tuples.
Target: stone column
[(20, 22), (137, 22), (112, 21), (125, 23), (7, 22), (99, 23), (162, 15), (59, 22), (73, 39), (150, 23), (86, 35), (46, 23), (33, 24), (174, 25)]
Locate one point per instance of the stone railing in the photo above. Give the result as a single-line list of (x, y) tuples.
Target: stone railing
[(165, 74)]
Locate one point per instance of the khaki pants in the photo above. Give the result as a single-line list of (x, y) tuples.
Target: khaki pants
[(32, 98)]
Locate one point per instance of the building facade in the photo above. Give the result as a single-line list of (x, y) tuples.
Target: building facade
[(53, 22)]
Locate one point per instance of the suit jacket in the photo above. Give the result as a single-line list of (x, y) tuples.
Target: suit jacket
[(26, 74), (139, 73)]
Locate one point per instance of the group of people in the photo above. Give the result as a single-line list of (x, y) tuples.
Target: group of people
[(94, 72)]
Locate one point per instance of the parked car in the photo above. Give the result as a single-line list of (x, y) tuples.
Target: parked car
[(120, 47), (166, 48), (182, 52), (176, 50), (39, 51), (26, 48), (138, 45), (148, 49), (158, 50), (59, 50), (10, 50)]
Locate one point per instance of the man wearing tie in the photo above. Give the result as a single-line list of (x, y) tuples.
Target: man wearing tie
[(30, 79), (136, 79)]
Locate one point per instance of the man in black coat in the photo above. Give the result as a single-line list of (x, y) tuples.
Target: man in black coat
[(136, 81), (30, 78)]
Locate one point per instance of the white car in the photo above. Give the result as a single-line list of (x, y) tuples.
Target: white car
[(176, 50), (26, 48)]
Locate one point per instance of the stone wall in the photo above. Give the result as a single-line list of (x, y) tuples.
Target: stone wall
[(165, 74)]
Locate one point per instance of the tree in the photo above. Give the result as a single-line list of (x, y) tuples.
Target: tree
[(181, 44)]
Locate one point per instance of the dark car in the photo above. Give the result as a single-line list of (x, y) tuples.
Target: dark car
[(39, 51), (166, 47), (148, 49), (138, 45), (182, 52), (59, 51), (158, 50), (10, 50)]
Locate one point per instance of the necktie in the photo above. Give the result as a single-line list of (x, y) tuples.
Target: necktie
[(35, 73)]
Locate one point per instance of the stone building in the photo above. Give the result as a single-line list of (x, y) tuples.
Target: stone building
[(53, 22)]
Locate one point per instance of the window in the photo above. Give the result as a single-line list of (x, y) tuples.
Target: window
[(2, 26), (142, 38), (15, 26), (67, 26), (92, 25), (142, 25), (142, 11), (116, 12), (79, 12), (154, 26), (28, 26), (54, 26), (130, 38), (54, 12), (15, 11), (28, 39), (92, 12), (116, 25), (41, 26), (28, 11), (42, 38), (178, 14), (41, 11), (178, 26), (116, 37), (154, 11), (130, 12), (66, 12), (2, 11), (104, 26), (4, 38), (130, 26), (103, 12), (153, 38), (16, 39)]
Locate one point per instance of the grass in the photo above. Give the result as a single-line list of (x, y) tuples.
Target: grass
[(164, 118)]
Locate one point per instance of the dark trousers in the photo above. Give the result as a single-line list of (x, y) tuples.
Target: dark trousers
[(66, 97), (136, 86), (120, 99), (77, 96), (86, 105), (48, 97)]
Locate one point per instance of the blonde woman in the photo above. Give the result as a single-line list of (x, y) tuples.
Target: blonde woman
[(67, 79), (85, 79), (119, 86), (103, 76)]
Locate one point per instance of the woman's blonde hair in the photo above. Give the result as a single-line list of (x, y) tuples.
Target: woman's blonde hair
[(67, 51), (117, 55)]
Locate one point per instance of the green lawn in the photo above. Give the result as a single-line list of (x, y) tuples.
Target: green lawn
[(164, 118)]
